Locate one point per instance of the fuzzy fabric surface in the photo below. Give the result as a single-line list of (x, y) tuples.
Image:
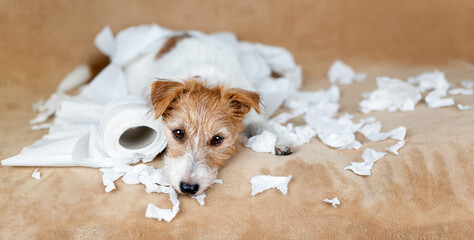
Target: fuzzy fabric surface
[(425, 192)]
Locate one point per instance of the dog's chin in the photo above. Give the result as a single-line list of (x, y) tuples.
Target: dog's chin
[(181, 169)]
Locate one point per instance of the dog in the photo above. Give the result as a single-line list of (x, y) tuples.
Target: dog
[(205, 101)]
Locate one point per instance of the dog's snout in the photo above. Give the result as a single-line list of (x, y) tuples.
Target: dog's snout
[(188, 188)]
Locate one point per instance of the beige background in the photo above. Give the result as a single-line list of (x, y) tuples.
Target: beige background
[(426, 192)]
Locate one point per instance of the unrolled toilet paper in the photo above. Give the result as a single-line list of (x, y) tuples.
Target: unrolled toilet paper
[(125, 133)]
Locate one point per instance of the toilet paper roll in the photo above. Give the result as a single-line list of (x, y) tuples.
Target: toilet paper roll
[(129, 129)]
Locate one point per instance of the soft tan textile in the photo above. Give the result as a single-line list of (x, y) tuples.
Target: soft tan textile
[(427, 192)]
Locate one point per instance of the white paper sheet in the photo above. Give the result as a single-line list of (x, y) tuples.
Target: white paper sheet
[(392, 95), (464, 107), (341, 73), (460, 91), (334, 202), (394, 148), (264, 182), (36, 175), (370, 156)]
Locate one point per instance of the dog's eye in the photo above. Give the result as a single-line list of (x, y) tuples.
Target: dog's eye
[(178, 134), (216, 140)]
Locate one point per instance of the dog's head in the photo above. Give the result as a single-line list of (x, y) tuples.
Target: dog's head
[(201, 124)]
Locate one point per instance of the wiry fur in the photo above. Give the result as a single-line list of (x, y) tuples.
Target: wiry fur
[(201, 112)]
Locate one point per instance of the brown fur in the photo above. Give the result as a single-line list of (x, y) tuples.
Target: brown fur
[(204, 111), (170, 44)]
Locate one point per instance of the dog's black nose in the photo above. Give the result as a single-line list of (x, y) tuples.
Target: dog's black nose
[(188, 188)]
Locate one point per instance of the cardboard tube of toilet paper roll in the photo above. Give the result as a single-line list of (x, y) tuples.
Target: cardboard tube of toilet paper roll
[(129, 129)]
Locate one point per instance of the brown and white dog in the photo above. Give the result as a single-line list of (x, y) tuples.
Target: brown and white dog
[(205, 101)]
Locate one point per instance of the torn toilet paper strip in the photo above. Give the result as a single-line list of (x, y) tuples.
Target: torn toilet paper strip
[(200, 198), (264, 182), (394, 148), (464, 107), (334, 202), (460, 91), (153, 211), (370, 156)]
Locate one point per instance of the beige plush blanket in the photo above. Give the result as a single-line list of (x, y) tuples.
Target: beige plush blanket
[(426, 192)]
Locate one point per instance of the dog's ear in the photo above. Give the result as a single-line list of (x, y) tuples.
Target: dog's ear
[(163, 93), (241, 101)]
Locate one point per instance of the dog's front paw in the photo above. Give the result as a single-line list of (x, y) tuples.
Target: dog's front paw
[(282, 150)]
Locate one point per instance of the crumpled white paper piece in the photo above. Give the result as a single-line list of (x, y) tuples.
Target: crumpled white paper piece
[(264, 142), (336, 133), (464, 107), (370, 156), (36, 175), (435, 81), (392, 95), (341, 73), (435, 99), (313, 105), (318, 109), (430, 80), (460, 91), (264, 182), (334, 202), (394, 148), (295, 136)]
